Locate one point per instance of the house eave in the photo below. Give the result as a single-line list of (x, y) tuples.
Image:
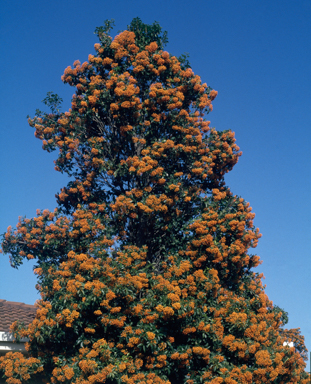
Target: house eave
[(8, 343)]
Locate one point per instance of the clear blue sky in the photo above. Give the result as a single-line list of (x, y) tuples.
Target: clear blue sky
[(257, 54)]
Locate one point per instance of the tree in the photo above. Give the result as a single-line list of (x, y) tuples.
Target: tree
[(143, 268)]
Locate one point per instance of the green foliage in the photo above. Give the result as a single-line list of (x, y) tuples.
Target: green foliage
[(53, 101), (146, 34), (284, 314)]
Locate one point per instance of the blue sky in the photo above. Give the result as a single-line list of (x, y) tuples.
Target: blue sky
[(256, 54)]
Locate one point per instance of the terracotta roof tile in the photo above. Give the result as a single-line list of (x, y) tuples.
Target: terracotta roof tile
[(11, 311)]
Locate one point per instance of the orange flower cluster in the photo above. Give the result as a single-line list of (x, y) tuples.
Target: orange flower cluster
[(18, 368)]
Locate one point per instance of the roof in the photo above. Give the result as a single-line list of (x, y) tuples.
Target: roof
[(11, 311)]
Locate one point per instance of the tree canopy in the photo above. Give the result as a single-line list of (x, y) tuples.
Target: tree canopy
[(144, 267)]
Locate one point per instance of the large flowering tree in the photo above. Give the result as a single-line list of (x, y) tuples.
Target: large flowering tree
[(143, 268)]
